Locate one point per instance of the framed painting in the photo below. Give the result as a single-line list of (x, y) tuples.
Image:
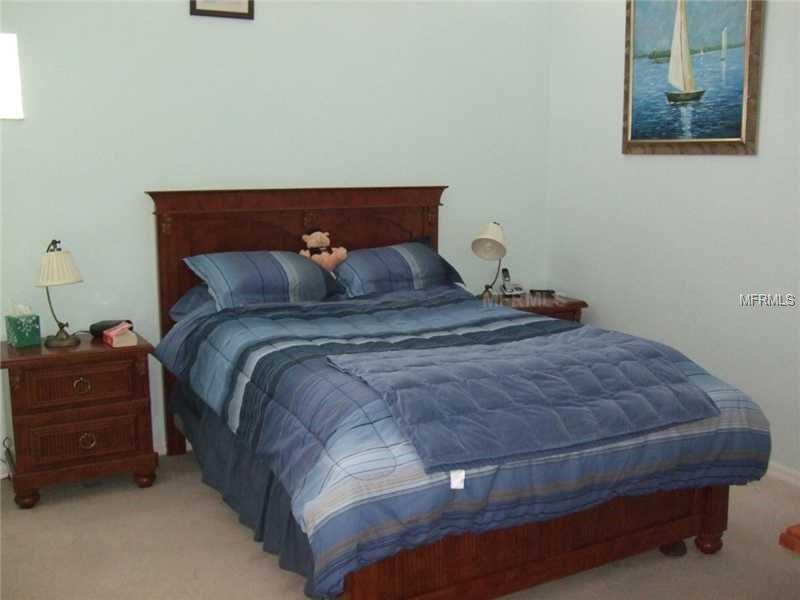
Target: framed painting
[(235, 9), (692, 72)]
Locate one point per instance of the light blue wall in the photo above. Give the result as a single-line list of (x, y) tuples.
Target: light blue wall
[(662, 246), (126, 97)]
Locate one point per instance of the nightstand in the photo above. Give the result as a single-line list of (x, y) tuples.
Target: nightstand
[(78, 413), (558, 307)]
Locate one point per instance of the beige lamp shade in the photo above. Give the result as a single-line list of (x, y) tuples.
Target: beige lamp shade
[(490, 243), (10, 86), (58, 268)]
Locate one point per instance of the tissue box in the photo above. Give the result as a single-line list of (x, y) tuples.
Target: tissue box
[(23, 331)]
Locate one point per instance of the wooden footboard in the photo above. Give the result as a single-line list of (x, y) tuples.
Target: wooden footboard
[(492, 564)]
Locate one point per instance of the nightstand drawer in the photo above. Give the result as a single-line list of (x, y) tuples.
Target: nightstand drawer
[(64, 442), (110, 380)]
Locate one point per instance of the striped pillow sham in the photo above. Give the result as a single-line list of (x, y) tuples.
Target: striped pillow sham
[(196, 297), (411, 266), (257, 277)]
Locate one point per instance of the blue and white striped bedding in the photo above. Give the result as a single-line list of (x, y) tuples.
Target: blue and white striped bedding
[(409, 266), (358, 486), (245, 278), (467, 405)]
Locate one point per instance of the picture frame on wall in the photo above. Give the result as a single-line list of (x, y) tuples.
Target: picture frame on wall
[(234, 9), (692, 76)]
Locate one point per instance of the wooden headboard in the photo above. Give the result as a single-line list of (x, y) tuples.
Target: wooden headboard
[(196, 222)]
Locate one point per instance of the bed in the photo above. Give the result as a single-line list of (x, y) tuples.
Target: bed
[(481, 560)]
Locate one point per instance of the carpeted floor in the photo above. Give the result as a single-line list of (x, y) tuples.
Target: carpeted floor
[(178, 540)]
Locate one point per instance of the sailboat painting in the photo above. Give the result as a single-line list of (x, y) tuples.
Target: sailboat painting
[(681, 72), (691, 76)]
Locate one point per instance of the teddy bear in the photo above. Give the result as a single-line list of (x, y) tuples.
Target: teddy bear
[(318, 249)]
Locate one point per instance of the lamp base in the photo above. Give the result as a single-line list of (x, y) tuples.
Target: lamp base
[(61, 340)]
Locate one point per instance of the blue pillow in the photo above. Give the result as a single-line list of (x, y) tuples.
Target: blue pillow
[(194, 298), (412, 266), (243, 278)]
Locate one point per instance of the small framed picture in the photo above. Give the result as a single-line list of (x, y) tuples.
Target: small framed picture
[(235, 9)]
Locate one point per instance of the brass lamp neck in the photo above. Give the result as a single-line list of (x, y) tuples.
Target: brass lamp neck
[(53, 312)]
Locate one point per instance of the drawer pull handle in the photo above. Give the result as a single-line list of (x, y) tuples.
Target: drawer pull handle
[(82, 385), (87, 441)]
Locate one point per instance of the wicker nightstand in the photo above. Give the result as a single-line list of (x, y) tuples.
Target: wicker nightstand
[(78, 413), (558, 307)]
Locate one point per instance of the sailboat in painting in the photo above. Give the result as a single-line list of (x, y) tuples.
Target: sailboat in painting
[(681, 73), (724, 46)]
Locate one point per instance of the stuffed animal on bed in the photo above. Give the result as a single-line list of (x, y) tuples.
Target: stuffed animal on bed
[(318, 249)]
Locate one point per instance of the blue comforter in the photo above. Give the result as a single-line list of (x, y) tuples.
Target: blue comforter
[(486, 404), (357, 481)]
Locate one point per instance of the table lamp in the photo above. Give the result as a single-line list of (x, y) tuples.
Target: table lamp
[(490, 244), (10, 86), (58, 268)]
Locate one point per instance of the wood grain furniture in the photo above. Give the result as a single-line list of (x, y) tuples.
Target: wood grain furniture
[(476, 567), (78, 413), (470, 566), (558, 307)]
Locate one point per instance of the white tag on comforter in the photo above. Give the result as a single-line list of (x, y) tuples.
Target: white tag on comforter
[(457, 479)]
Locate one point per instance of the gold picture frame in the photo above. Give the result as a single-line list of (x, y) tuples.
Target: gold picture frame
[(650, 119)]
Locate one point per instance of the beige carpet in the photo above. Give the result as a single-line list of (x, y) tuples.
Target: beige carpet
[(178, 540)]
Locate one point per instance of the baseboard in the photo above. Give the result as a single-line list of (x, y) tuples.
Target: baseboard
[(784, 473)]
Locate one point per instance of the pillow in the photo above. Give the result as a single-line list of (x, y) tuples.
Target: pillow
[(242, 278), (411, 266), (194, 298), (453, 276)]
